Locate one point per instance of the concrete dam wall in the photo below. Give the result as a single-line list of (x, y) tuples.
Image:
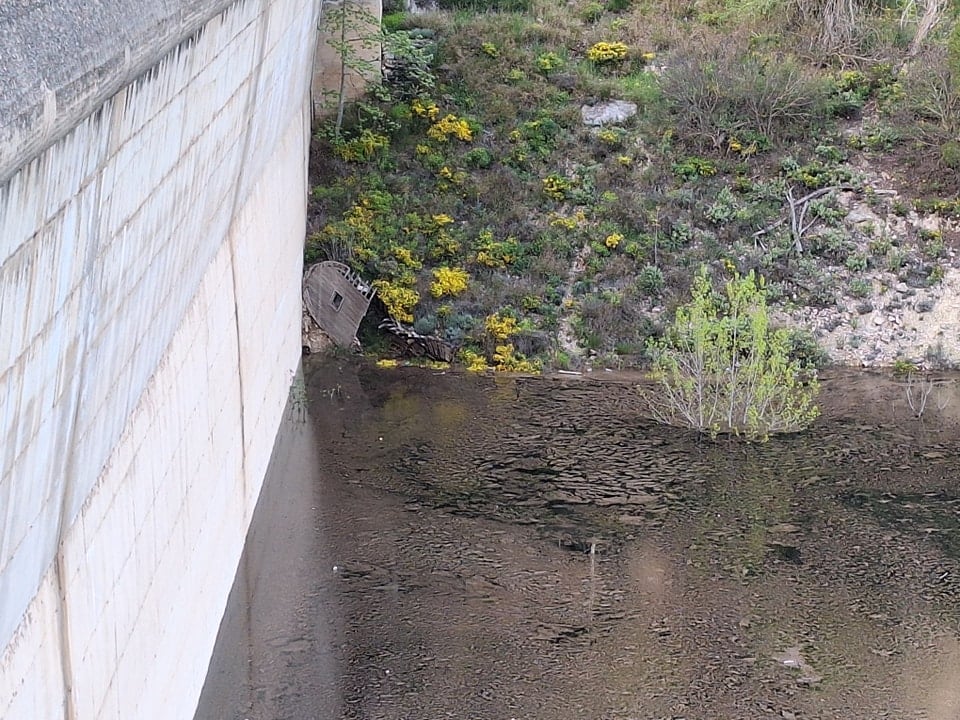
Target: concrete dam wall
[(152, 210)]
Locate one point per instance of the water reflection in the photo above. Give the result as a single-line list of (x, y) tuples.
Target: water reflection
[(274, 654), (534, 548)]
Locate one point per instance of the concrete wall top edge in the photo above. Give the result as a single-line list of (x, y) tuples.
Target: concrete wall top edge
[(60, 60)]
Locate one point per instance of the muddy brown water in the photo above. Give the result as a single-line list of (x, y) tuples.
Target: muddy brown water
[(434, 545)]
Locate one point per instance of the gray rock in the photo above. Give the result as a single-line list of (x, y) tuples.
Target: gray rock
[(608, 113), (916, 277), (862, 214)]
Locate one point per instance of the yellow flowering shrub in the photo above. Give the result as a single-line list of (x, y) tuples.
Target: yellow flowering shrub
[(443, 245), (434, 364), (556, 187), (613, 240), (448, 281), (608, 137), (607, 52), (399, 300), (734, 144), (474, 361), (360, 219), (455, 177), (405, 257), (548, 62), (571, 222), (490, 49), (507, 359), (500, 327), (362, 148), (440, 242), (493, 253), (450, 126), (425, 109)]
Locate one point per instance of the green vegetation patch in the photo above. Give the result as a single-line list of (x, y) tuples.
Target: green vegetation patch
[(466, 187)]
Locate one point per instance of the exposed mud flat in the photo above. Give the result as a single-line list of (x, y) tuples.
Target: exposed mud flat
[(433, 545)]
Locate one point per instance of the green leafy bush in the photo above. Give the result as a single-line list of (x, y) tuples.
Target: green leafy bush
[(849, 90), (479, 158), (722, 368), (591, 12), (860, 288), (950, 154), (650, 281), (693, 167), (856, 262)]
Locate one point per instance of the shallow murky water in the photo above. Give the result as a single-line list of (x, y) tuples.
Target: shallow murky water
[(431, 545)]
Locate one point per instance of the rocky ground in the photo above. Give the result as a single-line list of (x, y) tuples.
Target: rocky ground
[(905, 317)]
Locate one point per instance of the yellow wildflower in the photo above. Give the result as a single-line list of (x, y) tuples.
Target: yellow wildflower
[(398, 300), (405, 257), (427, 109), (613, 240), (448, 281), (474, 361), (500, 327), (450, 125), (608, 52)]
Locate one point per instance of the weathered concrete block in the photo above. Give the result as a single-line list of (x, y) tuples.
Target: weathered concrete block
[(152, 210)]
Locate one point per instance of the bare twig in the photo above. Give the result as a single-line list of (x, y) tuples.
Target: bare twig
[(917, 393), (930, 17), (797, 215)]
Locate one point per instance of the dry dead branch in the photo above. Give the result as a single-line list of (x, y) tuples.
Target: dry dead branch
[(797, 215)]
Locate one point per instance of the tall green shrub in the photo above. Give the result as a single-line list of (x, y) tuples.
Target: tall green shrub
[(352, 32), (723, 368), (953, 57)]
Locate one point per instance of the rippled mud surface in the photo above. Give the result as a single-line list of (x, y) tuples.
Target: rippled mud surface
[(432, 545)]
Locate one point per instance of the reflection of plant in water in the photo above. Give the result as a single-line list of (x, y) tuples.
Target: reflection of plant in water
[(747, 514), (934, 516), (400, 418), (449, 417), (298, 398), (918, 390)]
